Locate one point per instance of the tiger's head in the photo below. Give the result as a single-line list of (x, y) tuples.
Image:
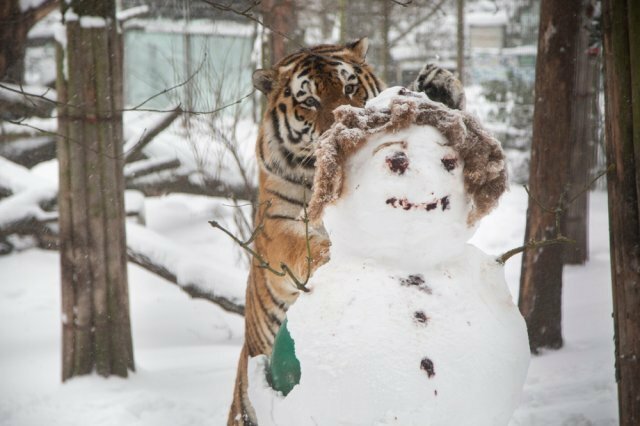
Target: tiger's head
[(302, 91)]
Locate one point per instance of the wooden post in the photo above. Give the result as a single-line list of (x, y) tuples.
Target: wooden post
[(95, 304), (621, 29), (540, 298)]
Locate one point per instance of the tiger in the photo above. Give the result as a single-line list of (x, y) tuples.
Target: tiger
[(302, 90)]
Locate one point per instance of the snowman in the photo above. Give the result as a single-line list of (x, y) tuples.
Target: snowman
[(407, 324)]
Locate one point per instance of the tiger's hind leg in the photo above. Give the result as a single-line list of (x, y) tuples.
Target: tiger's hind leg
[(440, 85), (241, 412)]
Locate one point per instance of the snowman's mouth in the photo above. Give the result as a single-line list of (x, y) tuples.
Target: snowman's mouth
[(404, 204)]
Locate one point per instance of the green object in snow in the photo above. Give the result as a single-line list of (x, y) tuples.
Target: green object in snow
[(284, 368)]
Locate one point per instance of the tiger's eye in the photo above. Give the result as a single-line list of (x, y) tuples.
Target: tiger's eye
[(287, 92), (349, 89), (312, 102)]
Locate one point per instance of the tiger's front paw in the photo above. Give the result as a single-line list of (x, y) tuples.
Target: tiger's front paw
[(440, 85)]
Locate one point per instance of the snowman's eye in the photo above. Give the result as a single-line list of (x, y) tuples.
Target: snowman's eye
[(449, 163), (397, 162)]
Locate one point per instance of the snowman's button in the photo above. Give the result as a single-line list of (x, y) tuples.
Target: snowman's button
[(416, 280), (421, 317), (445, 203), (427, 365)]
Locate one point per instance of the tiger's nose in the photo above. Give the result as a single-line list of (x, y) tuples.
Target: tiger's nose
[(325, 118)]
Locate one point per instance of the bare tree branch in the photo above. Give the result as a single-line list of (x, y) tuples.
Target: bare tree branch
[(141, 168), (285, 270), (558, 211), (247, 14), (174, 87), (131, 152), (183, 184), (419, 21), (402, 3)]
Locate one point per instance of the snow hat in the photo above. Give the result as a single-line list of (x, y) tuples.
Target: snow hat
[(485, 175)]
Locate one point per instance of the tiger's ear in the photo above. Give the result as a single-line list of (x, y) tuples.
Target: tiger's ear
[(264, 80), (359, 48)]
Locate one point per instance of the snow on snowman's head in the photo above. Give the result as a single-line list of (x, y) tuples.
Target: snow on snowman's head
[(405, 172)]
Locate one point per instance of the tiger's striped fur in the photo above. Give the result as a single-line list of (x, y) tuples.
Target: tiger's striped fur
[(302, 91)]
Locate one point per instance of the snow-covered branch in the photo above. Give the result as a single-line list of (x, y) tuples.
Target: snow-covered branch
[(200, 278), (132, 148)]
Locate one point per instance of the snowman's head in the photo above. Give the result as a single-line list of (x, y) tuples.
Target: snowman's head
[(405, 172)]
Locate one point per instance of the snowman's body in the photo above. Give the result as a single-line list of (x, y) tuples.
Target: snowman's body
[(407, 324)]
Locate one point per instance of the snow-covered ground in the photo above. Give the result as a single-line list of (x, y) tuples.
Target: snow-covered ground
[(186, 349)]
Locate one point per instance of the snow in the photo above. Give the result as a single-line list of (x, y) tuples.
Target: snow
[(17, 178), (406, 324), (31, 126), (400, 225), (19, 147), (487, 19), (30, 4), (15, 93), (28, 191), (132, 169), (205, 147), (195, 26), (26, 204), (92, 22), (189, 268), (127, 14), (186, 350)]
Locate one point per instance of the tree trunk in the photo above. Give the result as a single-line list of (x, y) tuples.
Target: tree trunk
[(14, 26), (541, 276), (584, 142), (621, 28), (342, 16), (460, 43), (95, 304), (385, 56), (280, 17)]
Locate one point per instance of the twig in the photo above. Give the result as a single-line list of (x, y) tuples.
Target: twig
[(403, 3), (247, 14), (168, 89), (538, 202), (416, 23), (533, 244), (285, 270), (558, 211), (136, 108), (590, 184), (132, 149), (192, 289)]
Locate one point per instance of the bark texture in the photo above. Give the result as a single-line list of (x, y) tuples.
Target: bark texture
[(280, 17), (584, 139), (541, 277), (14, 26), (621, 29), (95, 303), (460, 40)]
